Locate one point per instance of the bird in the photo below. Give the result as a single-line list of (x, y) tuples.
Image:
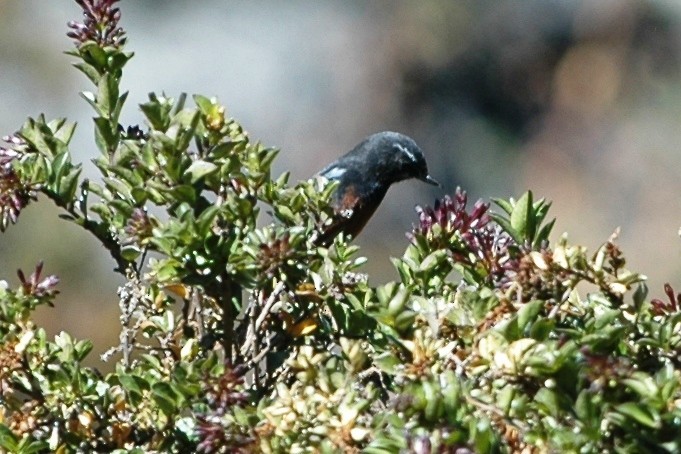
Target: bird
[(364, 175)]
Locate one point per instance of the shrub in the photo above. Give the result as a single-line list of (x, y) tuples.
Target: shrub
[(239, 338)]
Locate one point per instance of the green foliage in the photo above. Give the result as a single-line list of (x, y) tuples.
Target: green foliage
[(239, 333)]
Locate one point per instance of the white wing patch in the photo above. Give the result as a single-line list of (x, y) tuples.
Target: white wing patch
[(334, 173), (408, 153), (347, 213)]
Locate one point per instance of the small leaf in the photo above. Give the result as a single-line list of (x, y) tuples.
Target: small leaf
[(165, 397), (91, 99), (522, 220), (118, 187), (434, 259), (157, 111), (107, 95), (505, 224), (640, 295), (205, 219), (115, 115), (105, 138), (82, 349), (398, 301), (89, 71), (184, 193), (94, 55), (585, 406), (133, 383), (387, 362), (545, 231), (528, 312), (65, 132), (199, 169), (643, 384), (118, 60), (204, 104), (8, 440), (60, 165), (130, 252), (643, 415), (548, 399), (222, 150), (504, 205)]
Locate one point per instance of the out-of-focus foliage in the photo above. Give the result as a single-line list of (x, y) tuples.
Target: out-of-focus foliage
[(240, 338)]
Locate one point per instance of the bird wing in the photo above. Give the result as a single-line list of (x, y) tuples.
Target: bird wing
[(353, 210)]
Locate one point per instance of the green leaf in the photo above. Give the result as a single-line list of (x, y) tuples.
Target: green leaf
[(548, 399), (542, 328), (130, 252), (267, 158), (118, 187), (643, 384), (205, 220), (165, 397), (133, 383), (187, 132), (204, 104), (528, 312), (179, 105), (91, 99), (640, 295), (434, 259), (544, 233), (199, 169), (33, 131), (106, 138), (118, 60), (387, 362), (8, 440), (94, 55), (89, 71), (222, 150), (82, 349), (522, 219), (65, 132), (398, 302), (641, 414), (541, 209), (157, 111), (184, 193), (115, 115), (107, 96), (60, 165), (585, 406), (30, 446), (504, 205)]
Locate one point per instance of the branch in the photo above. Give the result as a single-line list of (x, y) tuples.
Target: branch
[(105, 237), (253, 328)]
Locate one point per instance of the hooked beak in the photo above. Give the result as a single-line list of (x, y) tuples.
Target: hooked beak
[(430, 180)]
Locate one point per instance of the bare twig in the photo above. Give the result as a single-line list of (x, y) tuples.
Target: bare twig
[(254, 327)]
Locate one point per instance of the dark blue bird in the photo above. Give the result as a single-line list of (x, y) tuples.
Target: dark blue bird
[(366, 173)]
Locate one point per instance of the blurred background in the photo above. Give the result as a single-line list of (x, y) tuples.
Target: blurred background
[(579, 101)]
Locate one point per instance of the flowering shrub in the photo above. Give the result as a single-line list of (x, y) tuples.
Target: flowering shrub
[(239, 338)]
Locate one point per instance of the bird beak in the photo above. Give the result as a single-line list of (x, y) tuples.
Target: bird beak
[(430, 180)]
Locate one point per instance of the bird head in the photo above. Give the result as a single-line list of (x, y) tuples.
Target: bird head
[(394, 157)]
